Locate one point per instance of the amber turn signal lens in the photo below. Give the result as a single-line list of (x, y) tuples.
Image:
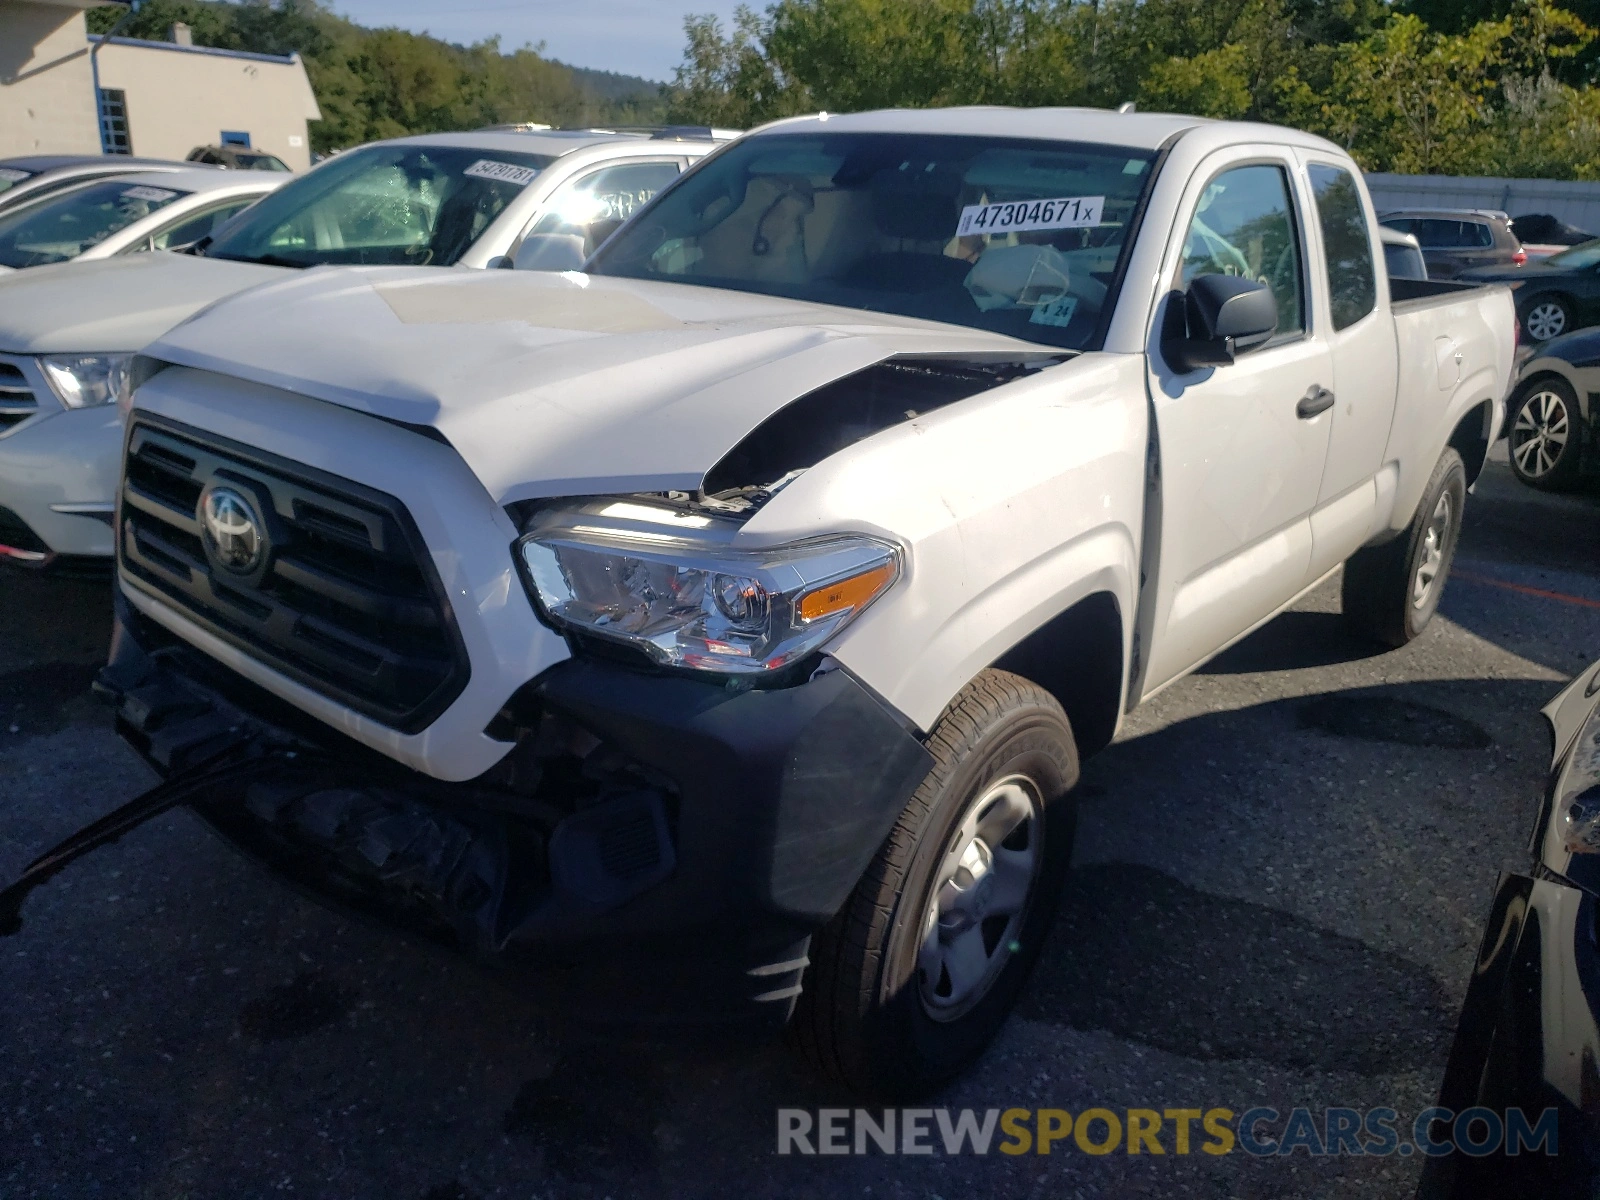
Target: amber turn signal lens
[(855, 592)]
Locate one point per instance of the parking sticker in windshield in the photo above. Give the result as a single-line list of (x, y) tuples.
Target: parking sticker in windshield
[(1020, 216), (151, 194), (488, 168)]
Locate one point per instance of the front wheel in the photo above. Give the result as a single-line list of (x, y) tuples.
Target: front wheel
[(1543, 441), (1545, 318), (915, 975), (1391, 591)]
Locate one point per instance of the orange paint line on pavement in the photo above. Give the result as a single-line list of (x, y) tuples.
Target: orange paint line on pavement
[(1542, 593)]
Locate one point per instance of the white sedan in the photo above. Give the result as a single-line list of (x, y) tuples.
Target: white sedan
[(127, 213)]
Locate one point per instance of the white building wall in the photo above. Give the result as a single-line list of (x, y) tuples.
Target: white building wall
[(180, 97), (47, 103)]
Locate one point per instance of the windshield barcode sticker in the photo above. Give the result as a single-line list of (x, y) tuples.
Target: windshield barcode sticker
[(151, 194), (1020, 216), (488, 168), (11, 174)]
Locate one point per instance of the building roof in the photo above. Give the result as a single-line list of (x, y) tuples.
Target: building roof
[(285, 60)]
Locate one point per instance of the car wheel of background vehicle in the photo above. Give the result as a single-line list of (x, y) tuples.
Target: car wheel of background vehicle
[(1391, 591), (915, 975), (1545, 435), (1545, 318)]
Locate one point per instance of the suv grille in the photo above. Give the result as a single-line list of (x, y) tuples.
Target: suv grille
[(17, 401), (346, 599)]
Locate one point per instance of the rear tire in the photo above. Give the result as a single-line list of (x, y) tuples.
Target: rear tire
[(1391, 591), (912, 979), (1544, 435)]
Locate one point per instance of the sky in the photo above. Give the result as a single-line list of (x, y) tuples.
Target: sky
[(634, 37)]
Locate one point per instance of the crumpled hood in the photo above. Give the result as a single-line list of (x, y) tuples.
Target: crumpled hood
[(552, 384), (115, 303)]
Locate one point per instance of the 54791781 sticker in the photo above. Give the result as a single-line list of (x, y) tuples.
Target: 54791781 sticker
[(488, 168), (1021, 216)]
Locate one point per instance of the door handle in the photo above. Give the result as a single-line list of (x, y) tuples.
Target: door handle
[(1318, 400)]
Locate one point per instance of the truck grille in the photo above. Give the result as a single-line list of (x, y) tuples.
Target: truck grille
[(345, 599), (17, 401)]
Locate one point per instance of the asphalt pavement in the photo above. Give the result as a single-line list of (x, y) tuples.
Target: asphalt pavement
[(1282, 872)]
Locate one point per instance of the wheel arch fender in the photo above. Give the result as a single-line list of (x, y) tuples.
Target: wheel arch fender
[(1063, 607)]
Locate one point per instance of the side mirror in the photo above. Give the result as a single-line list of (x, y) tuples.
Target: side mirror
[(549, 252), (1223, 316)]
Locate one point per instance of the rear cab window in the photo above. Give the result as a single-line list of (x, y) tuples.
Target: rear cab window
[(1346, 244)]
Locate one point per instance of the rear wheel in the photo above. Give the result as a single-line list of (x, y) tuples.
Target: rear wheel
[(1545, 435), (1546, 317), (913, 978), (1391, 592)]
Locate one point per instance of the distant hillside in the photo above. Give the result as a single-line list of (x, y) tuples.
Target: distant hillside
[(377, 83), (608, 85)]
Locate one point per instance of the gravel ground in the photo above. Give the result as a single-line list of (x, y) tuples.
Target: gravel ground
[(1283, 868)]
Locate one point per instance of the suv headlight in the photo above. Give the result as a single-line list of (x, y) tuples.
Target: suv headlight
[(672, 585), (87, 380)]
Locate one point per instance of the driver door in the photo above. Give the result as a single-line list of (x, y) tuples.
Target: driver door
[(1240, 461)]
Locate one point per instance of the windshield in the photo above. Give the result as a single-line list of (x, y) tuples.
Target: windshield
[(63, 226), (1578, 258), (382, 205), (11, 176), (1021, 237)]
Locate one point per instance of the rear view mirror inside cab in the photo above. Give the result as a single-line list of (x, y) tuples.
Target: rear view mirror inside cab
[(1216, 319)]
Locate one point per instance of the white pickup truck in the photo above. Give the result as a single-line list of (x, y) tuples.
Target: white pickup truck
[(730, 618)]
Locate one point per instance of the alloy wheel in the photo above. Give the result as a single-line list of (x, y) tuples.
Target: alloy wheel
[(1545, 321), (1434, 542), (1539, 433), (981, 894)]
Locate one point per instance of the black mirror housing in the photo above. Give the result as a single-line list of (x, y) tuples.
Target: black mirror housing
[(1223, 316)]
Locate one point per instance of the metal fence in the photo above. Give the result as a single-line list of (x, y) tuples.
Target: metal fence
[(1574, 202)]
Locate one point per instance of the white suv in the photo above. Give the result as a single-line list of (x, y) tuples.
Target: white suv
[(446, 199)]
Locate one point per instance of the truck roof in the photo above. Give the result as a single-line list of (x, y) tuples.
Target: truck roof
[(1144, 131)]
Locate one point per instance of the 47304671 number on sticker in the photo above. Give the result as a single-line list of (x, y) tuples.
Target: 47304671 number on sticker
[(1021, 216)]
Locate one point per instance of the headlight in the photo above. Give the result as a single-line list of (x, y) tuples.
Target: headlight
[(87, 380), (671, 584)]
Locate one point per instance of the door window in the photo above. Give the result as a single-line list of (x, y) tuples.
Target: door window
[(1245, 225), (1346, 244), (195, 227), (593, 205)]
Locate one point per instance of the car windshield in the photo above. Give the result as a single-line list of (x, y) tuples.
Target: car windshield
[(11, 176), (382, 205), (1579, 258), (64, 225), (1021, 237)]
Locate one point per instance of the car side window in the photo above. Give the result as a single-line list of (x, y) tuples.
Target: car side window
[(196, 226), (591, 206), (1245, 225), (1346, 245)]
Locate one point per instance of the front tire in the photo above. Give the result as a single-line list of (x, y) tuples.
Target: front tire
[(1545, 436), (1391, 592), (1546, 317), (912, 979)]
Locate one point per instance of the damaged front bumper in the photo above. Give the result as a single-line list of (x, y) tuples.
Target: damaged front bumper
[(662, 836)]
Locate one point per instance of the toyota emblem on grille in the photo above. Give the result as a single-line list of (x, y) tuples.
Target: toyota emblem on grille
[(232, 529)]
